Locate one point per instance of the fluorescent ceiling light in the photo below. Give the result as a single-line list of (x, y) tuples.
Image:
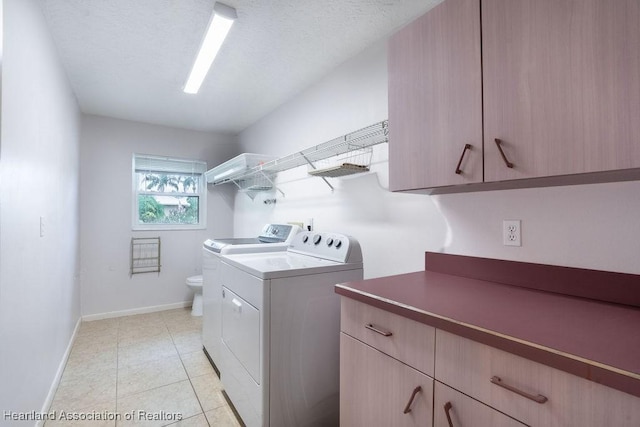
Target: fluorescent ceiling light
[(219, 26)]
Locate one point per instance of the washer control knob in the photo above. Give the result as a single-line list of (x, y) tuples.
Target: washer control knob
[(305, 238), (338, 244), (329, 241), (316, 239)]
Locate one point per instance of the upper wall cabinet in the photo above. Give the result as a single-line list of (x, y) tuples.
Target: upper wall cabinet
[(561, 86), (560, 92), (435, 99)]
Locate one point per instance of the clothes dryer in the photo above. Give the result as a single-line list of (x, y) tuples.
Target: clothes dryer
[(280, 353)]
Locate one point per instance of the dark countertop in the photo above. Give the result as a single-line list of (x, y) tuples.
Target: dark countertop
[(596, 340)]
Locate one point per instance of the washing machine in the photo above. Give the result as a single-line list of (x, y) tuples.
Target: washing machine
[(273, 237), (280, 353)]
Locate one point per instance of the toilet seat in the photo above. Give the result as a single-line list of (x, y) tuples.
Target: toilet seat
[(194, 280)]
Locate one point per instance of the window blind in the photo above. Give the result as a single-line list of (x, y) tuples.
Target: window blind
[(146, 163)]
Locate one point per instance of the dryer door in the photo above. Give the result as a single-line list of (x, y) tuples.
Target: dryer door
[(241, 331)]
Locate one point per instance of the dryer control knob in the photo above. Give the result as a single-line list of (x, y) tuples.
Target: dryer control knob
[(329, 241), (338, 244), (305, 238), (316, 239)]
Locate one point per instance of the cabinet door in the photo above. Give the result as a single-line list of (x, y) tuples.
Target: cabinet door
[(571, 401), (561, 86), (435, 99), (465, 411), (375, 389), (401, 338)]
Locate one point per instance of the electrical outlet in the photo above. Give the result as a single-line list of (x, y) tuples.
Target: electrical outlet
[(511, 233)]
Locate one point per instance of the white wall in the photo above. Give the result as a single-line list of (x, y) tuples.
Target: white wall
[(39, 287), (105, 194), (589, 226), (352, 97)]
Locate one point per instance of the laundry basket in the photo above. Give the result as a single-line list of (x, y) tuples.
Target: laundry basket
[(357, 160)]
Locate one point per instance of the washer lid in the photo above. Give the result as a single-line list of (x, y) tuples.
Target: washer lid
[(274, 237), (217, 245), (285, 264)]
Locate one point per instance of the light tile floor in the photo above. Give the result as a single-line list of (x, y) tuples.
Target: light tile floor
[(141, 369)]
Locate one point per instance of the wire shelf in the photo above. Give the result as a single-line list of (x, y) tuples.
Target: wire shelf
[(337, 171), (239, 165), (352, 162), (369, 136)]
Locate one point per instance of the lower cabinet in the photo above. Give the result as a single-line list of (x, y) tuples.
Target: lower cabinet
[(473, 384), (454, 409), (378, 390), (535, 394)]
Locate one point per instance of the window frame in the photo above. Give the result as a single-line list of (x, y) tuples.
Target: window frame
[(138, 225)]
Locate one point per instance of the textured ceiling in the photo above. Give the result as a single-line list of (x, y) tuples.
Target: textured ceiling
[(129, 59)]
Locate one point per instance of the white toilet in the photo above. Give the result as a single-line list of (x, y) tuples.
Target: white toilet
[(195, 284)]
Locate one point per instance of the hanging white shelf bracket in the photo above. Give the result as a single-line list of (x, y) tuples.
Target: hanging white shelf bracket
[(271, 182), (314, 167)]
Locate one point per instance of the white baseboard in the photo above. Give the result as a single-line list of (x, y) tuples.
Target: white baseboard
[(54, 386), (133, 311)]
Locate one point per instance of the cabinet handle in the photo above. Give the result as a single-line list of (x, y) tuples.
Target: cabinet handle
[(506, 161), (407, 408), (466, 147), (377, 330), (447, 408), (538, 399)]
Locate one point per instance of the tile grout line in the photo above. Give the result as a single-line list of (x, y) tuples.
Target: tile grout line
[(188, 376)]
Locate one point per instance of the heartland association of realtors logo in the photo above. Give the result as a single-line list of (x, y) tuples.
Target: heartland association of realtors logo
[(138, 415)]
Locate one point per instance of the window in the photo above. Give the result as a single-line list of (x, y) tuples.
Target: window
[(168, 193)]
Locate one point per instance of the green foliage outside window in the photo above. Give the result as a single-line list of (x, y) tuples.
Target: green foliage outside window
[(150, 211), (167, 208)]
